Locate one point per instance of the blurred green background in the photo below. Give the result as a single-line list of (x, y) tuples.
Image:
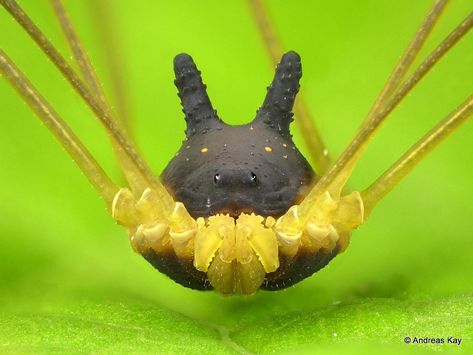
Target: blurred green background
[(69, 281)]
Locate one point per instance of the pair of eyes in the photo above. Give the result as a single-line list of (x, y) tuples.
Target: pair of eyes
[(253, 178)]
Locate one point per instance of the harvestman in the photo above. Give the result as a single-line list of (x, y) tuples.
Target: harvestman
[(239, 223)]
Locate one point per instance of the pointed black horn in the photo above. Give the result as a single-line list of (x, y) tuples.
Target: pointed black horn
[(192, 92), (276, 111)]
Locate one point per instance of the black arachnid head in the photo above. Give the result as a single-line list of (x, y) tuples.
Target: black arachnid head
[(234, 169)]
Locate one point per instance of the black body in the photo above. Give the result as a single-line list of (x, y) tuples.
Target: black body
[(233, 169)]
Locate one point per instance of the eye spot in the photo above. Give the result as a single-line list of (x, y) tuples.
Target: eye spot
[(204, 150), (253, 178), (268, 149), (216, 178)]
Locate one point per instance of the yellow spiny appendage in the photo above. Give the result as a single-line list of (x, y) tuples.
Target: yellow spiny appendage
[(235, 254)]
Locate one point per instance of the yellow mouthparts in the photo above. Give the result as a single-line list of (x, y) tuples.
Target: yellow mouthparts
[(236, 254)]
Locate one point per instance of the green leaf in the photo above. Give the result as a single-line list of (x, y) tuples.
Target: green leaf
[(69, 281)]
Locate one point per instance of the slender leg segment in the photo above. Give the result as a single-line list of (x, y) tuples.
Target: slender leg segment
[(103, 13), (391, 177), (97, 177), (80, 55), (324, 204), (134, 178), (134, 161), (240, 252), (148, 211), (334, 180), (310, 134), (407, 58), (78, 51)]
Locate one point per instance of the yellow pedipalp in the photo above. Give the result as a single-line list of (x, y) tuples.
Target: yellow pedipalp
[(249, 277), (209, 239), (227, 252), (229, 278), (236, 254), (221, 275), (262, 240), (243, 252)]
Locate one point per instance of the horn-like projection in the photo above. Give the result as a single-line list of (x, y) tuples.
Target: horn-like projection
[(192, 92), (276, 111)]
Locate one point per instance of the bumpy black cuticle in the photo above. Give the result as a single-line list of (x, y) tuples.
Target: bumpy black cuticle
[(192, 92), (252, 168), (230, 149)]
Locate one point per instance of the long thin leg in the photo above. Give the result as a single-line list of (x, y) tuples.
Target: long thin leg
[(93, 83), (407, 58), (97, 177), (341, 170), (140, 170), (104, 19), (80, 55), (391, 177), (310, 134)]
